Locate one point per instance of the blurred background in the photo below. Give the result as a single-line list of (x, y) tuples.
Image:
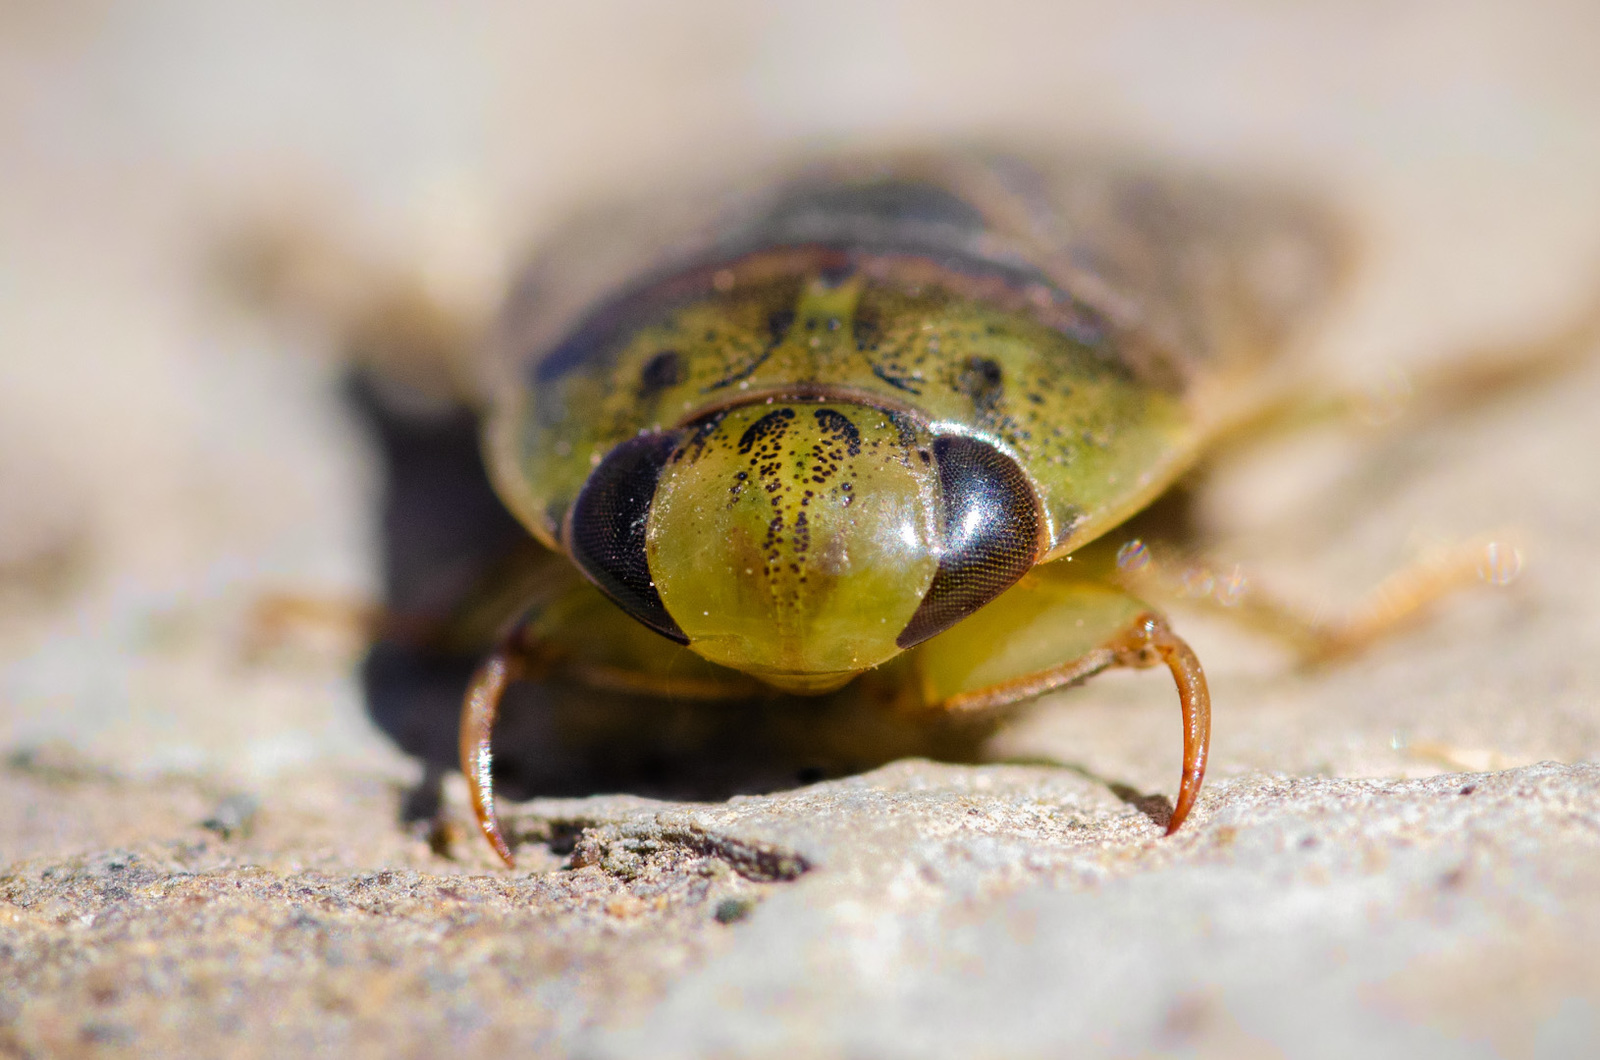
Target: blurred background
[(166, 459)]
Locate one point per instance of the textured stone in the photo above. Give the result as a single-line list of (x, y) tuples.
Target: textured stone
[(919, 910)]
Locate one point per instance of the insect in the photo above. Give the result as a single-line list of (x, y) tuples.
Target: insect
[(864, 430), (868, 431)]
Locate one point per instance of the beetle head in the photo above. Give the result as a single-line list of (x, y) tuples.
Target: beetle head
[(803, 542)]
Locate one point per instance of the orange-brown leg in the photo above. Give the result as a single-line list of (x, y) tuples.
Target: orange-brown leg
[(478, 713), (520, 654), (1445, 386), (1145, 641), (1393, 604), (1150, 642), (287, 619)]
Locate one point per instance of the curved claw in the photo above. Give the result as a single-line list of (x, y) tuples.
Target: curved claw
[(1195, 699), (1151, 641), (478, 712)]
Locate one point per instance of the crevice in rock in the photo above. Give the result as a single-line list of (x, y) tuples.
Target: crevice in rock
[(630, 850)]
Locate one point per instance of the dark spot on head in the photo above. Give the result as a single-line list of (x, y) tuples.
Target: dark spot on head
[(905, 426), (772, 425), (695, 444), (664, 370), (840, 429)]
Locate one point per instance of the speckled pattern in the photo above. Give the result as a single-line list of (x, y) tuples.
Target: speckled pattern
[(1058, 310), (789, 526)]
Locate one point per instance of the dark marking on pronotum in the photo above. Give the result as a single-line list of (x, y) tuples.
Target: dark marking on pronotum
[(665, 369), (866, 329), (981, 379), (779, 321), (899, 382)]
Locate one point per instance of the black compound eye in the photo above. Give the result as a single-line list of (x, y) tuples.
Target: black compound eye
[(990, 534), (606, 528)]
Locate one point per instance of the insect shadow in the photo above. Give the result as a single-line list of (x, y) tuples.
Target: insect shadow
[(442, 529)]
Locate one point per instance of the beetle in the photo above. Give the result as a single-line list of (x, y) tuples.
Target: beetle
[(864, 428)]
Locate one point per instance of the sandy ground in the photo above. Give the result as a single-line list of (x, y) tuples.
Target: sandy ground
[(203, 853)]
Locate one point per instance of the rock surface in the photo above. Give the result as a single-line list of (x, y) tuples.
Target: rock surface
[(919, 910), (203, 851)]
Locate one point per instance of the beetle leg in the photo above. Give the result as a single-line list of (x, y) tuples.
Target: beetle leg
[(478, 713), (1448, 387), (1152, 641), (1012, 649), (279, 619), (1444, 386), (1461, 382), (568, 632), (1399, 600), (1147, 641)]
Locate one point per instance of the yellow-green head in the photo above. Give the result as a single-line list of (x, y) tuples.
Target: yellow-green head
[(803, 541)]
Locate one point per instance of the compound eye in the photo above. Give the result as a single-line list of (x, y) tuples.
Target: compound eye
[(989, 534), (606, 529)]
